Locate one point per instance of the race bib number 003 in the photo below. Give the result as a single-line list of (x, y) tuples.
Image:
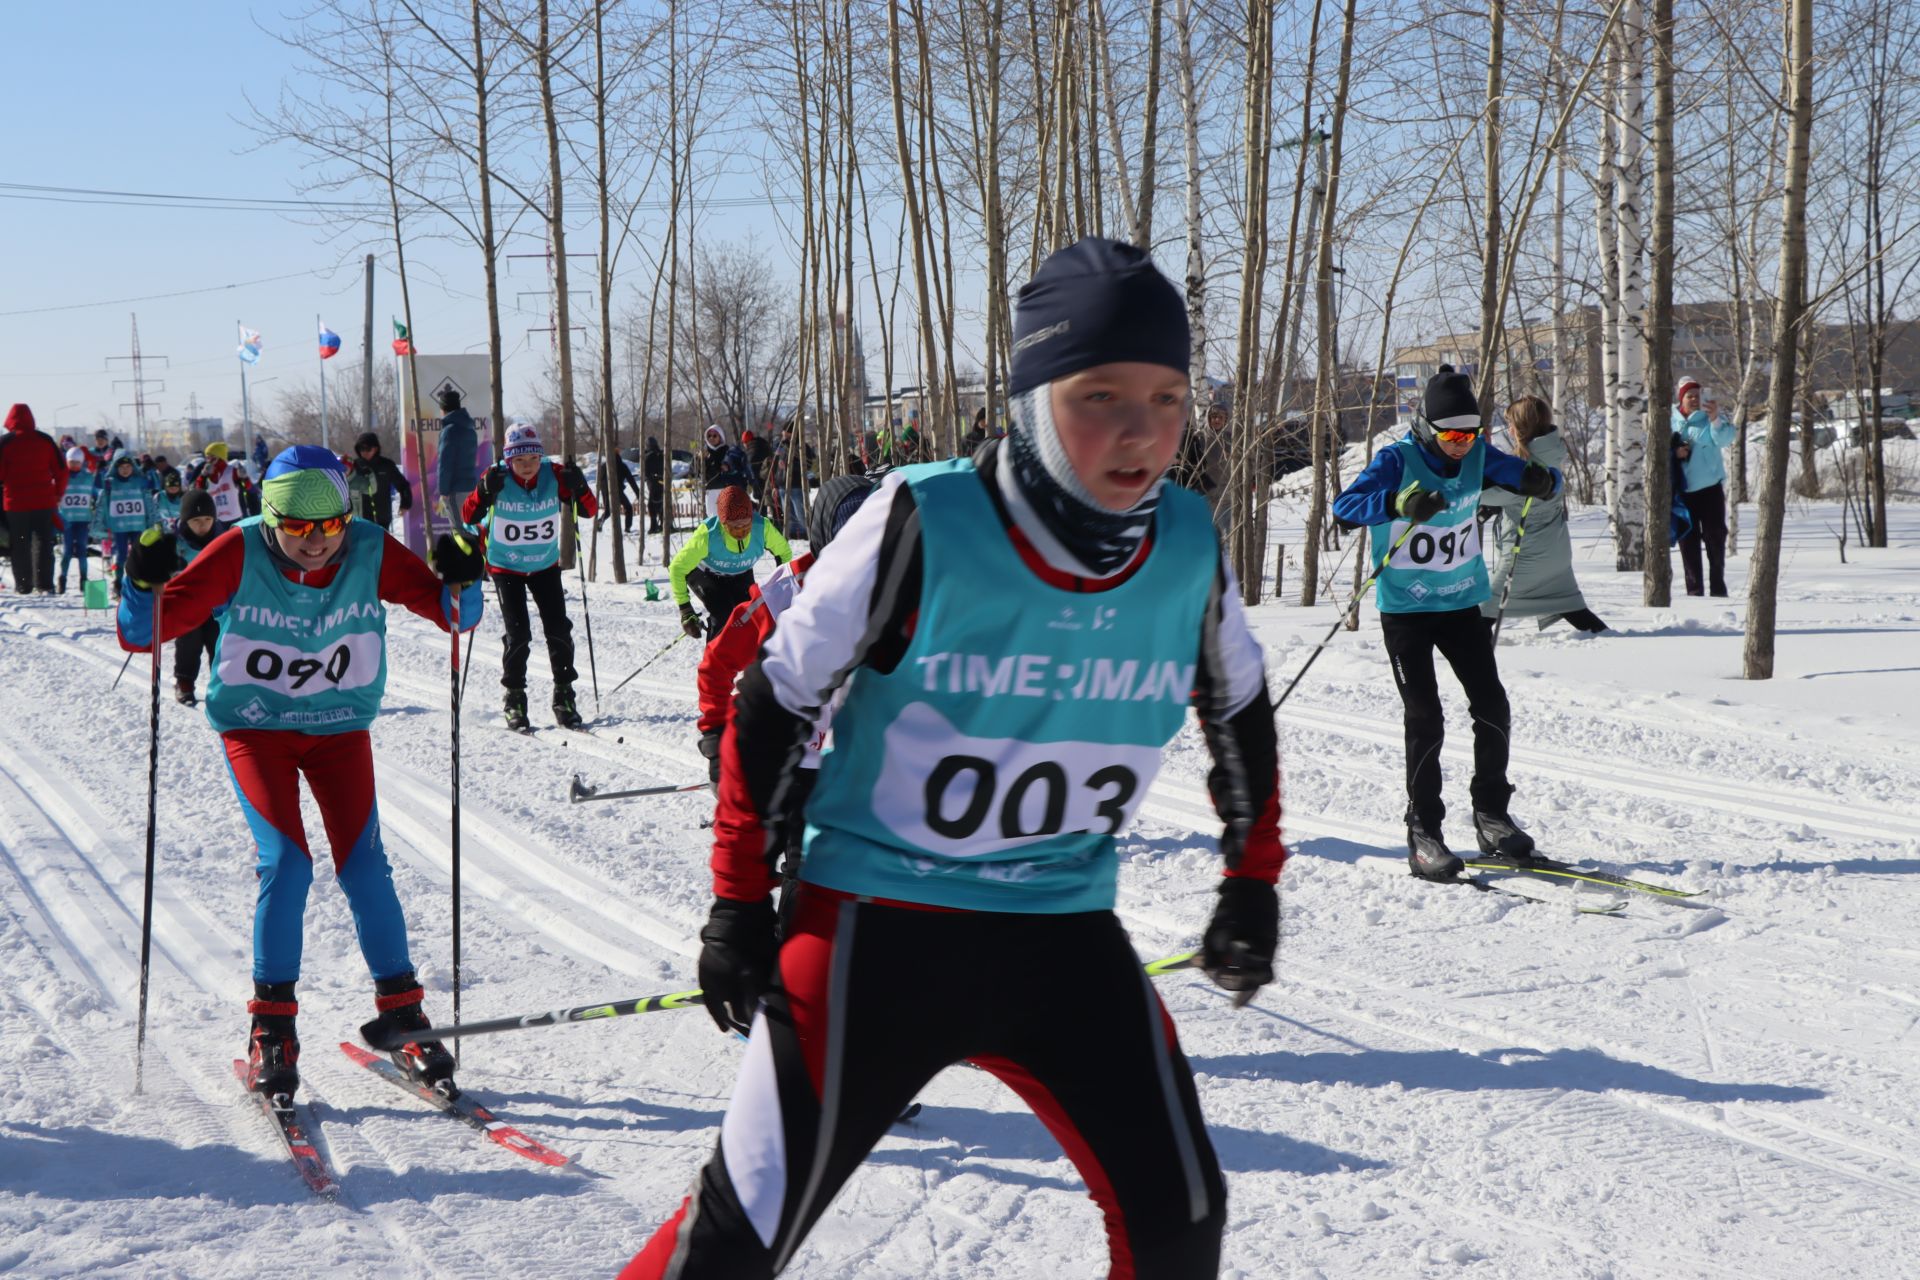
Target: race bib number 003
[(962, 797), (1436, 549), (520, 533), (122, 508), (349, 663)]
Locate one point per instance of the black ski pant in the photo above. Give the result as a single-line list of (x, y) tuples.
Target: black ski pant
[(1464, 637), (719, 594), (872, 1001), (31, 546), (187, 649), (1708, 507), (656, 504), (549, 592)]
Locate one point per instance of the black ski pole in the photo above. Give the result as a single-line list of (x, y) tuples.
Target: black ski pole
[(665, 1003), (649, 662), (579, 791), (586, 612), (1513, 564), (123, 670), (453, 596), (153, 810), (1352, 606)]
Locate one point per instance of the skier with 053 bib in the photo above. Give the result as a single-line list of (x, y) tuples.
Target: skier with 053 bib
[(1019, 635), (1418, 500), (298, 675), (520, 504)]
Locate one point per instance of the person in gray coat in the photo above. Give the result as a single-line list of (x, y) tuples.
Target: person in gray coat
[(1542, 572)]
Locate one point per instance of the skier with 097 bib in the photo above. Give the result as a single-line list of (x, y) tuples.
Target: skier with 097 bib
[(1019, 635), (1419, 499)]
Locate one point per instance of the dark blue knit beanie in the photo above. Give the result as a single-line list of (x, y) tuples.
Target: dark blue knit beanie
[(1096, 302)]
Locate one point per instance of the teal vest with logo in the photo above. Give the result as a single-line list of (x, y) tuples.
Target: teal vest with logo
[(300, 658), (76, 501), (1439, 566), (523, 529), (721, 558), (992, 769), (166, 511), (123, 504)]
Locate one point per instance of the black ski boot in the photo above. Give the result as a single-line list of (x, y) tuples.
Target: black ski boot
[(1427, 854), (1499, 835), (565, 714), (183, 693), (516, 709), (398, 999), (273, 1050)]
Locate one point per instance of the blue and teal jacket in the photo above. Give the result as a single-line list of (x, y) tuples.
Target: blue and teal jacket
[(1706, 467)]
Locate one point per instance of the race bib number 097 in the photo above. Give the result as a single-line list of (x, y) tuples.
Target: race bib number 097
[(1433, 549), (518, 533), (350, 663), (963, 797)]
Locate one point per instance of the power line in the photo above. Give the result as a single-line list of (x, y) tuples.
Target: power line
[(182, 293), (302, 204)]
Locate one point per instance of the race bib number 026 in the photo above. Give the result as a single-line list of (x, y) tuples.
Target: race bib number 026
[(518, 533), (75, 504), (962, 797), (1436, 549), (350, 663)]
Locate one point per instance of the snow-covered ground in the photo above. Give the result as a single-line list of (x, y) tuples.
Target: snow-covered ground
[(1441, 1083)]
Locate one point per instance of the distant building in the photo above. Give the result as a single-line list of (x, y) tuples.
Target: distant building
[(183, 437)]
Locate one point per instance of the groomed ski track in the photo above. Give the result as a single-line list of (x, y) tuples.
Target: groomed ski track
[(1442, 1083)]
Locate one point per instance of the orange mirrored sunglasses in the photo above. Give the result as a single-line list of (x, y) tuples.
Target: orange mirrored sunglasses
[(297, 528), (1455, 437)]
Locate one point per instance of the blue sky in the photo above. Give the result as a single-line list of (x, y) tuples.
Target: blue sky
[(142, 97)]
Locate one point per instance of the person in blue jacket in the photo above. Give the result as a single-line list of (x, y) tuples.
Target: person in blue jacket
[(123, 506), (1697, 442), (76, 518), (1418, 500)]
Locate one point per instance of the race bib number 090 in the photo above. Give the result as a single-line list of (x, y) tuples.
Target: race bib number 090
[(518, 533), (963, 797), (1433, 549), (350, 663)]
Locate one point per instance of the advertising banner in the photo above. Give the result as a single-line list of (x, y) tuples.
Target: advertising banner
[(420, 442)]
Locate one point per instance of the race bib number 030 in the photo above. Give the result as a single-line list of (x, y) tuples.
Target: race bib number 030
[(962, 797), (519, 533), (349, 663), (122, 508), (1436, 549)]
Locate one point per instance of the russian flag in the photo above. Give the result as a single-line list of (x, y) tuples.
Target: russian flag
[(329, 343)]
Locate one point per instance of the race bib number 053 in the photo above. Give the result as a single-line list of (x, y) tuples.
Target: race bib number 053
[(1436, 549), (962, 797), (518, 533), (349, 663)]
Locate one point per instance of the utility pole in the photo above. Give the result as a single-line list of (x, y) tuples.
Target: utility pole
[(366, 349), (136, 365)]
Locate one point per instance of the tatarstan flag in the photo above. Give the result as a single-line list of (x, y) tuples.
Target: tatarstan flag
[(402, 340)]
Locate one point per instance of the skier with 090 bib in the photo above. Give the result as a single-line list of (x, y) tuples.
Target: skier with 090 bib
[(1018, 635), (1419, 499), (298, 675)]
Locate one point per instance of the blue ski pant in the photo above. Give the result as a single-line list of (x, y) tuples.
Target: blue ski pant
[(73, 546), (266, 766)]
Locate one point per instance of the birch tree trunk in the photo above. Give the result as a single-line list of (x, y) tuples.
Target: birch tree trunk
[(1490, 213), (1764, 579), (1657, 584), (557, 238), (1630, 511), (1607, 241), (489, 246), (1196, 278)]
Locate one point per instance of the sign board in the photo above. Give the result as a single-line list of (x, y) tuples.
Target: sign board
[(420, 437)]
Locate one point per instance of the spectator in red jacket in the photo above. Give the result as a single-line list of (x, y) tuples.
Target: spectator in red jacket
[(33, 475)]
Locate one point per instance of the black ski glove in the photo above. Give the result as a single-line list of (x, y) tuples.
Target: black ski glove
[(710, 748), (736, 960), (457, 560), (576, 479), (690, 622), (1243, 937), (493, 481), (1536, 482), (1417, 504), (153, 558)]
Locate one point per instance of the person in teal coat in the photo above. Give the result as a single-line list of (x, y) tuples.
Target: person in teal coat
[(1700, 432), (1536, 580)]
